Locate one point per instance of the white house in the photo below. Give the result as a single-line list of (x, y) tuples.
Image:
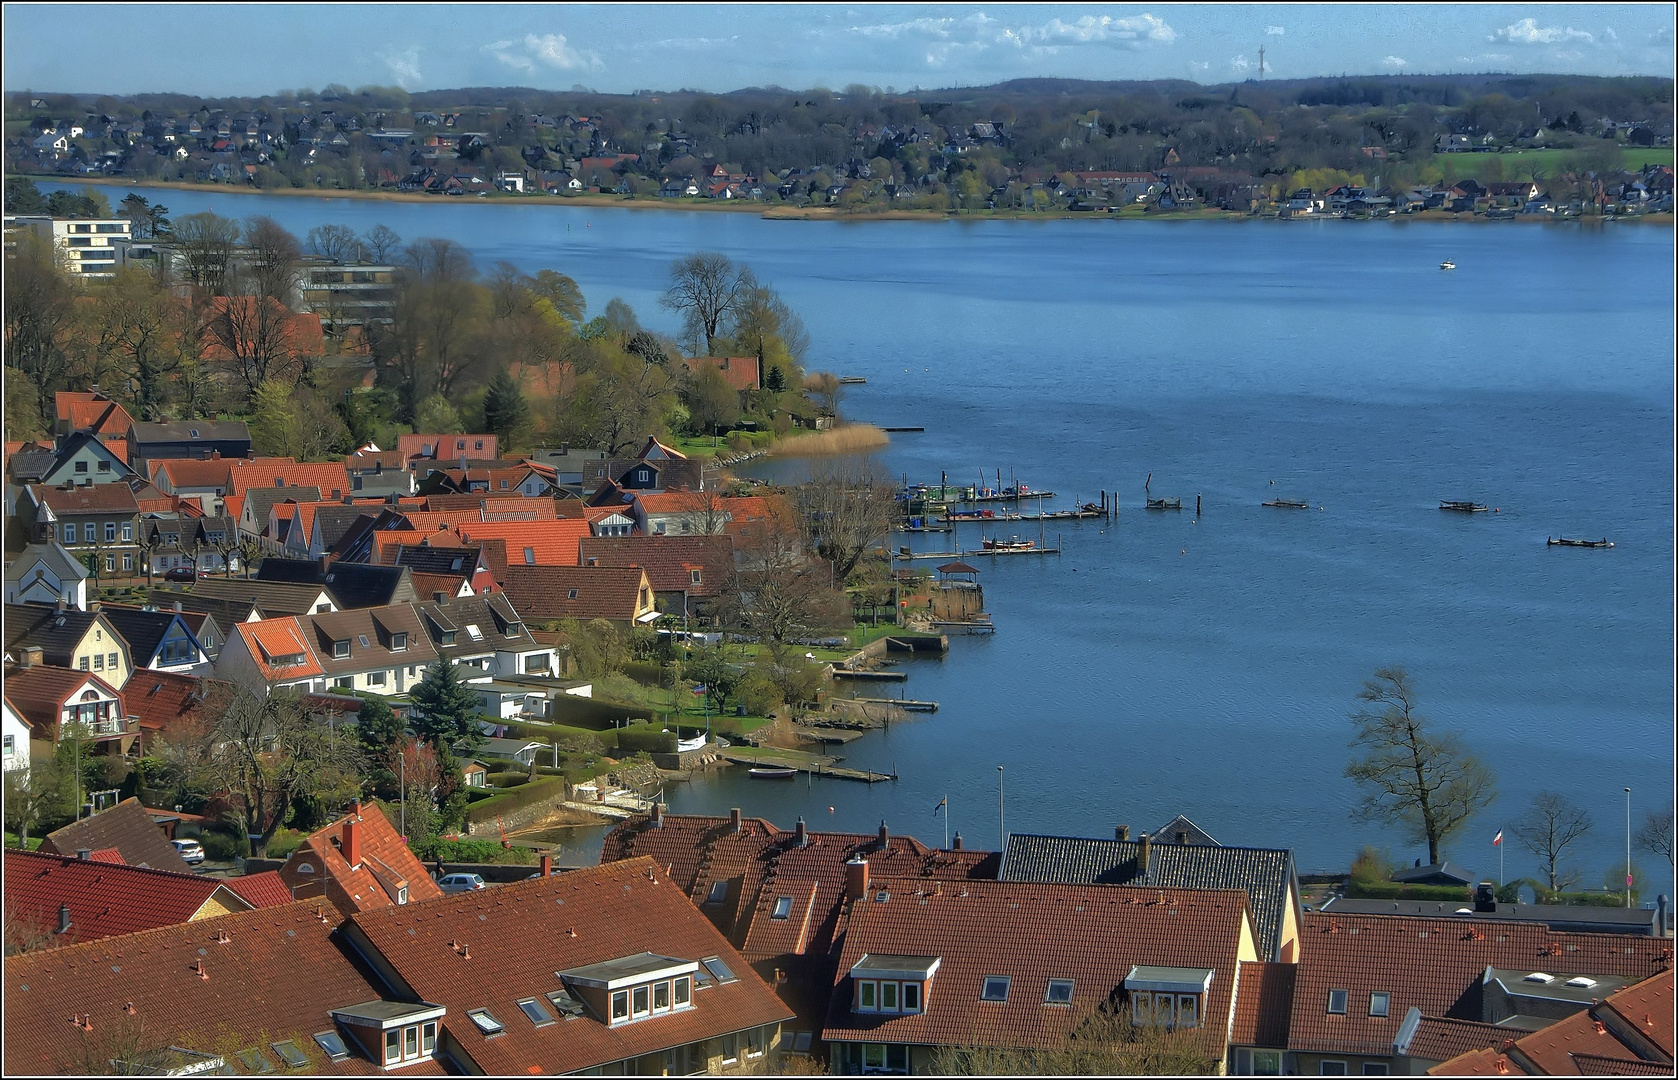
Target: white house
[(45, 574), (16, 742)]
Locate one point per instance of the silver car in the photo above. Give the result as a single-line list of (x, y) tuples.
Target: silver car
[(453, 883), (190, 850)]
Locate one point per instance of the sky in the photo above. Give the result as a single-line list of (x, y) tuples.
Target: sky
[(255, 49)]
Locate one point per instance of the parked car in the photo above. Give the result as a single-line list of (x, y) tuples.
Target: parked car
[(453, 883), (179, 573), (190, 850)]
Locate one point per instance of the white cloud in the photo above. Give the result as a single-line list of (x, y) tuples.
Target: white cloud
[(542, 50), (979, 32), (404, 66), (1275, 31), (1568, 55), (1486, 58), (1241, 64), (1198, 67), (1397, 63), (1528, 32), (1608, 34)]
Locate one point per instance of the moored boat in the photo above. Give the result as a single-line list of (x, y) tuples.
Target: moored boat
[(1290, 504), (1165, 504), (1563, 541), (1014, 544), (1462, 507), (766, 773)]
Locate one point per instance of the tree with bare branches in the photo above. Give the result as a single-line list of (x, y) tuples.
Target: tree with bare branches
[(776, 589), (847, 509), (704, 288), (1423, 780), (1547, 830), (1655, 834)]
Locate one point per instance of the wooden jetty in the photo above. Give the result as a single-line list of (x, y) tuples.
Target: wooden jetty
[(852, 380), (1165, 504), (1289, 504), (923, 528), (907, 704), (966, 626), (928, 555), (1005, 495), (876, 676), (1562, 541), (1035, 549), (1088, 510), (1462, 507), (814, 768), (903, 429)]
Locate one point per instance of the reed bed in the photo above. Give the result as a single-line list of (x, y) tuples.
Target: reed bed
[(849, 439)]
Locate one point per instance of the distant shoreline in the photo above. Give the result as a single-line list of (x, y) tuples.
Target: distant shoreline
[(790, 213)]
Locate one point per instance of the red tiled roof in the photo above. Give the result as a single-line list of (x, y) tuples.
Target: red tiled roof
[(1263, 1005), (104, 898), (1433, 964), (266, 889), (162, 699), (272, 974), (1627, 1034), (544, 592), (387, 865), (445, 448), (329, 476), (552, 543), (268, 638), (39, 693), (475, 950), (1440, 1039), (108, 855), (1091, 934), (92, 499), (740, 372), (668, 560), (92, 412)]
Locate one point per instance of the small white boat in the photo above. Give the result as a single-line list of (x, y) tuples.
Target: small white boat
[(1447, 265)]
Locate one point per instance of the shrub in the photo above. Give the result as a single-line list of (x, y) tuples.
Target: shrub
[(503, 802), (759, 694), (508, 779), (222, 847), (646, 738), (284, 843), (459, 851), (1392, 890)]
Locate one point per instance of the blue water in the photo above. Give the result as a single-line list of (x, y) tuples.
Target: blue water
[(1206, 667)]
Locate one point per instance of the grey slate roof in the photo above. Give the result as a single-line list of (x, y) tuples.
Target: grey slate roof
[(56, 632), (275, 598), (1180, 830), (1445, 873), (128, 827), (1266, 873), (352, 585), (1580, 918), (259, 501), (182, 431), (334, 521), (143, 630), (56, 556)]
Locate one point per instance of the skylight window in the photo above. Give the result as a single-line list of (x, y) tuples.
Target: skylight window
[(1539, 977), (1058, 993), (1379, 1003), (473, 632), (534, 1010), (783, 907), (718, 969), (291, 1054), (487, 1023), (333, 1044), (363, 639), (719, 892), (1337, 1001), (255, 1061), (995, 988), (1580, 982), (565, 1005), (570, 594), (530, 556)]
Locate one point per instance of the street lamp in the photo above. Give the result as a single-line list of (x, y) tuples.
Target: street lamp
[(1628, 847), (1001, 821)]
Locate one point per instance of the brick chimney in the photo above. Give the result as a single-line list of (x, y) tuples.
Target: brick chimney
[(351, 845), (856, 878), (1121, 832), (440, 597), (33, 656), (885, 834), (547, 866), (657, 819), (955, 845), (1142, 855), (734, 820), (800, 833)]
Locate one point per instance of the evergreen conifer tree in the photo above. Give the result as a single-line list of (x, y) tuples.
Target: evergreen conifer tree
[(505, 410), (446, 708)]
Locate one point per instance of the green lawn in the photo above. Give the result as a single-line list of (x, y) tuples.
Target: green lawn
[(11, 841), (1551, 162)]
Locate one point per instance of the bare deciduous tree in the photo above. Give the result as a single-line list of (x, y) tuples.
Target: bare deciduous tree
[(1424, 781), (704, 288), (381, 242), (206, 243), (1547, 830), (337, 243), (846, 509), (1655, 834), (776, 589), (1098, 1040)]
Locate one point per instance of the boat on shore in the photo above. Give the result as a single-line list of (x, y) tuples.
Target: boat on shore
[(1165, 504), (1462, 507), (1289, 504), (766, 773), (1562, 541)]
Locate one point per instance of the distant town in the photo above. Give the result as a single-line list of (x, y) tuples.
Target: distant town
[(1488, 146)]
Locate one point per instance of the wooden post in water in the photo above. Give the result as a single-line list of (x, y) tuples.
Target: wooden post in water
[(1197, 504), (1148, 484)]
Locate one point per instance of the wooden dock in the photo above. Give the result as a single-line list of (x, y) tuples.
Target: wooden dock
[(1015, 551), (929, 555), (903, 429), (877, 676), (906, 704), (814, 768)]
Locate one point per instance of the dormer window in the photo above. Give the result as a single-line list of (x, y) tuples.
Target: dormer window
[(340, 649), (633, 988), (892, 984), (1171, 997), (399, 642)]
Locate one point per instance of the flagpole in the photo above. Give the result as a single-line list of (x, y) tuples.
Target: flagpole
[(1500, 858), (946, 823)]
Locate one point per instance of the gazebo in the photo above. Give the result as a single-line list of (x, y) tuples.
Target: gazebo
[(958, 570)]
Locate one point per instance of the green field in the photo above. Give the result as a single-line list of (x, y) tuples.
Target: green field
[(1551, 162)]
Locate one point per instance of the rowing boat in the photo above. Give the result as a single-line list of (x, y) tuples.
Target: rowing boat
[(1290, 504), (1165, 504), (1565, 542), (1463, 507), (771, 774)]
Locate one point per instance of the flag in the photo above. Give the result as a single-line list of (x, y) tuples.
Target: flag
[(699, 691), (1498, 839), (943, 804), (1628, 881)]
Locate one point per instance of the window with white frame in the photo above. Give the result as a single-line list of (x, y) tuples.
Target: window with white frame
[(375, 678), (1380, 1003), (127, 531), (89, 530), (69, 534), (110, 531)]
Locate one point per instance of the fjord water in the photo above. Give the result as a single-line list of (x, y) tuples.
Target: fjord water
[(1173, 665)]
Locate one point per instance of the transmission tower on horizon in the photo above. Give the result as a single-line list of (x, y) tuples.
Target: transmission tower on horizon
[(1261, 63)]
